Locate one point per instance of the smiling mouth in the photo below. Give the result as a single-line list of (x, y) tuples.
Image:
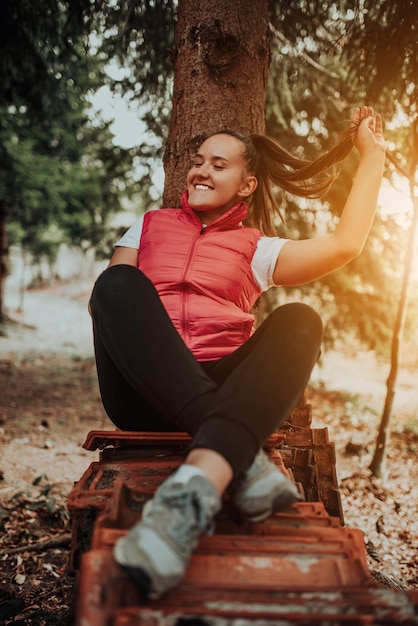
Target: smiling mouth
[(201, 187)]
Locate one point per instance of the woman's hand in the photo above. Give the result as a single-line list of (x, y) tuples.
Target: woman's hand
[(368, 138)]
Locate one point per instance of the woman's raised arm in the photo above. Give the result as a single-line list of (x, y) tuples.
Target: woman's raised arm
[(306, 260)]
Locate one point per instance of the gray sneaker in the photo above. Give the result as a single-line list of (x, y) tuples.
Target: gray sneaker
[(156, 551), (261, 490)]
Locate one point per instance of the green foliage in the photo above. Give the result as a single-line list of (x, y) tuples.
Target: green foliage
[(307, 81), (139, 36), (328, 57), (76, 189), (37, 43), (61, 177), (382, 57)]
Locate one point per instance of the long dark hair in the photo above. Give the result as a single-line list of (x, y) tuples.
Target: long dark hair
[(274, 166)]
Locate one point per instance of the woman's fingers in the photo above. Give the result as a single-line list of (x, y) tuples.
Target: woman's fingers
[(378, 125)]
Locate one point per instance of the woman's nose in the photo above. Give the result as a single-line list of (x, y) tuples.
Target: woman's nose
[(203, 170)]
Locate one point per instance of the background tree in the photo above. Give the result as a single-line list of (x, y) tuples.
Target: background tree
[(138, 37), (310, 97), (221, 64), (30, 35), (58, 171), (387, 77), (378, 465)]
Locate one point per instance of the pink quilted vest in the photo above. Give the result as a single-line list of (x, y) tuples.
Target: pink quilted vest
[(203, 275)]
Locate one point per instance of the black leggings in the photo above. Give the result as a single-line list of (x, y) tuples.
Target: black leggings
[(150, 381)]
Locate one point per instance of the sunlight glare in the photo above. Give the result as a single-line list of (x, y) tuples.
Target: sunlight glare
[(395, 201)]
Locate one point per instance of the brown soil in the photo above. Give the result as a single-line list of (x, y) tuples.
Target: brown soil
[(49, 401)]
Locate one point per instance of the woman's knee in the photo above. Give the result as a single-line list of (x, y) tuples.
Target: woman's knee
[(299, 318), (116, 283), (117, 277)]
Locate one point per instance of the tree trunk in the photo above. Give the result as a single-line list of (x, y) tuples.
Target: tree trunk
[(4, 257), (221, 67), (378, 464)]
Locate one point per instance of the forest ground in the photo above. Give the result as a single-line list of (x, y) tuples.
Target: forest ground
[(49, 401)]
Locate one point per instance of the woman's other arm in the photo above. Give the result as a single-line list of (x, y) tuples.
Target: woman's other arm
[(124, 256)]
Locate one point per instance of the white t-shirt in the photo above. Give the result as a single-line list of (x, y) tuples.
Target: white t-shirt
[(262, 265)]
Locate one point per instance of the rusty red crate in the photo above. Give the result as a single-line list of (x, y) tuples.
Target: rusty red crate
[(236, 580), (294, 555), (301, 566), (349, 608), (143, 460)]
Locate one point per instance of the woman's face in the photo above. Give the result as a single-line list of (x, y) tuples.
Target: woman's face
[(218, 179)]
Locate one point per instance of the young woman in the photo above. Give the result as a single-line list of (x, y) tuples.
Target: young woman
[(174, 341)]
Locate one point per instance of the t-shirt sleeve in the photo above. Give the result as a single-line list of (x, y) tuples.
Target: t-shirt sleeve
[(132, 237), (264, 260)]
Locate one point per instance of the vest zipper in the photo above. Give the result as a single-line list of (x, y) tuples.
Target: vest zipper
[(190, 256)]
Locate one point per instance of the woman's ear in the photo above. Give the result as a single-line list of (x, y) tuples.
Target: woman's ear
[(249, 185)]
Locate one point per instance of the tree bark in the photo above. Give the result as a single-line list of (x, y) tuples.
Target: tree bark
[(220, 79)]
